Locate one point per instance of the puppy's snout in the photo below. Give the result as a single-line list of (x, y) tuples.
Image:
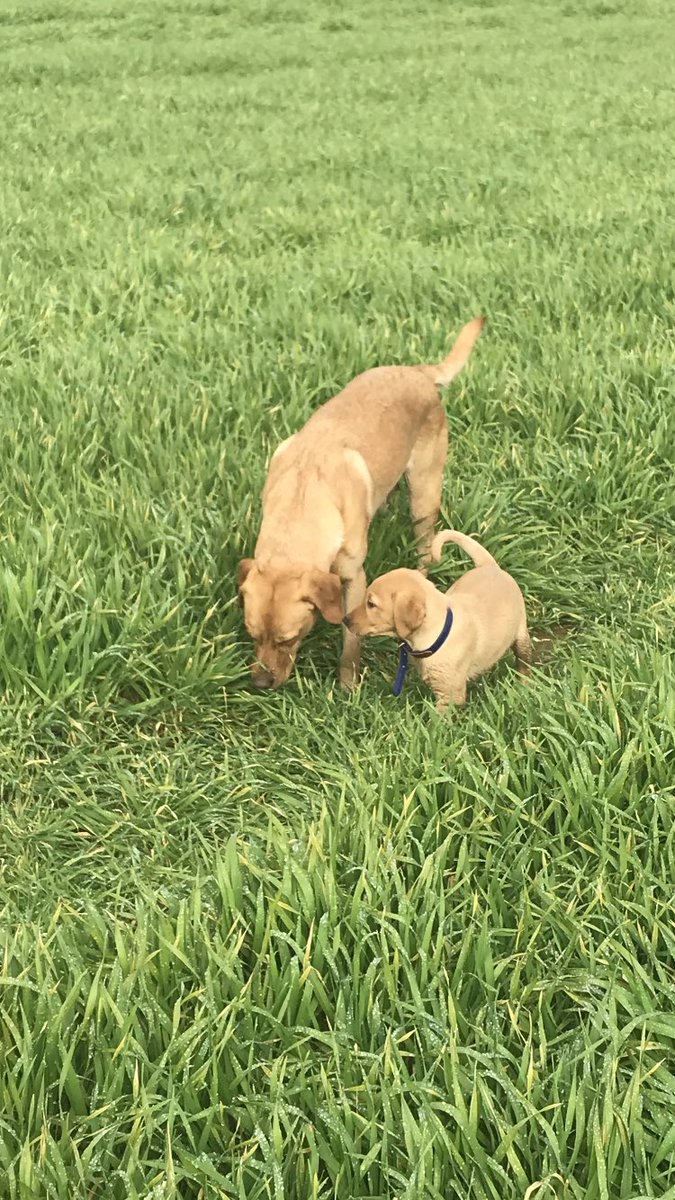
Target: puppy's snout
[(347, 620)]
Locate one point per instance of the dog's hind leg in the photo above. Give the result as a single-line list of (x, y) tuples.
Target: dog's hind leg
[(424, 473), (522, 648)]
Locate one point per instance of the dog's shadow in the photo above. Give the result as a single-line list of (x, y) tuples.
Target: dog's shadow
[(545, 641)]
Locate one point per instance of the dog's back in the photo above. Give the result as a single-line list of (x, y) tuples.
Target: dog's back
[(382, 412)]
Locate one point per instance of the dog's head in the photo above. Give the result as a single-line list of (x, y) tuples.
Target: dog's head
[(281, 603), (395, 604)]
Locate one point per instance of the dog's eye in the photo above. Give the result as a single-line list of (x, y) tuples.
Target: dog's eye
[(284, 643), (370, 603)]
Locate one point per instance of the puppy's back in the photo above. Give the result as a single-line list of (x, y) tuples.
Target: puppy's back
[(489, 610)]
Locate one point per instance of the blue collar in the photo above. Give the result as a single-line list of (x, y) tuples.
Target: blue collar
[(404, 652)]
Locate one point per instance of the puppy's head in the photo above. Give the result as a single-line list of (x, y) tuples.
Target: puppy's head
[(395, 604), (281, 603)]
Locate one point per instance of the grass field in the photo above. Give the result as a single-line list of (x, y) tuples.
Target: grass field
[(309, 945)]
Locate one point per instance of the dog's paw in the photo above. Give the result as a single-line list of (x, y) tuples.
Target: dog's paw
[(350, 676)]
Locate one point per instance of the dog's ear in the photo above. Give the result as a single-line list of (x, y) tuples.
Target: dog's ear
[(242, 573), (409, 612), (324, 591)]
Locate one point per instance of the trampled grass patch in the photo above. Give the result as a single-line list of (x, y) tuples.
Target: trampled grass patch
[(308, 944)]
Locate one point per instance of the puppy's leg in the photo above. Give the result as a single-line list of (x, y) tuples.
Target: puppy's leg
[(456, 692), (425, 481), (522, 648), (353, 594)]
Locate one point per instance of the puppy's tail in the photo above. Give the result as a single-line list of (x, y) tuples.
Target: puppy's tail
[(469, 545), (444, 373)]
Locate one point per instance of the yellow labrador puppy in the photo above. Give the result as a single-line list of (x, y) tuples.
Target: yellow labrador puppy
[(451, 638), (323, 487)]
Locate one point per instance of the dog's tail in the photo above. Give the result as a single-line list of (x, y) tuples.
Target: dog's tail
[(469, 545), (444, 373)]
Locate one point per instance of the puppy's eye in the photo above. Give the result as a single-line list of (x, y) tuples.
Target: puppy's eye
[(284, 643), (370, 603)]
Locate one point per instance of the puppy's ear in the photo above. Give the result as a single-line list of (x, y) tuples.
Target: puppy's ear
[(409, 612), (324, 591), (242, 573)]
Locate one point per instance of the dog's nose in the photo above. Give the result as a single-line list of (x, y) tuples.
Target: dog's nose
[(263, 679), (347, 621)]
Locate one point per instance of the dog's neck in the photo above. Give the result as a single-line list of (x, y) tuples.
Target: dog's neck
[(298, 551), (430, 629), (301, 522), (308, 543)]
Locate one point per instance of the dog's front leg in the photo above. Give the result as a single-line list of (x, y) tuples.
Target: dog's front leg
[(353, 594), (455, 693)]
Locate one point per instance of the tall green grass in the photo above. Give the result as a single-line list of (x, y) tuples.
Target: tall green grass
[(315, 945)]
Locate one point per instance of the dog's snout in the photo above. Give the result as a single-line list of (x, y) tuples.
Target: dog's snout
[(347, 621), (263, 679)]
